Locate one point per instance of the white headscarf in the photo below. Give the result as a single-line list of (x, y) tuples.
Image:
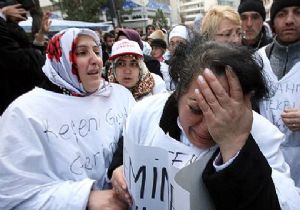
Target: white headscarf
[(179, 31), (60, 66)]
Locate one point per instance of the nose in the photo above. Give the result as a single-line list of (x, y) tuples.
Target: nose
[(235, 39), (96, 59), (249, 22), (290, 18), (127, 69)]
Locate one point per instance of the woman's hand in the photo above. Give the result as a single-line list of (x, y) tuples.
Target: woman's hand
[(105, 200), (227, 113), (41, 37), (291, 117), (120, 186)]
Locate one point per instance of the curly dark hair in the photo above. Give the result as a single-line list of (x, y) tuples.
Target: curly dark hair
[(189, 61)]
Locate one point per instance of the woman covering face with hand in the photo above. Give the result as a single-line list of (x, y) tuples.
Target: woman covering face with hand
[(210, 110), (129, 70), (57, 140)]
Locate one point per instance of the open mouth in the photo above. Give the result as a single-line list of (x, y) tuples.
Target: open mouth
[(127, 79), (93, 72)]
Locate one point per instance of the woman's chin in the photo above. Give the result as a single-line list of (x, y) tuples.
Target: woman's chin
[(203, 143)]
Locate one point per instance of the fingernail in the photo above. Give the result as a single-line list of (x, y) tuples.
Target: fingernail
[(207, 71), (201, 79), (197, 91)]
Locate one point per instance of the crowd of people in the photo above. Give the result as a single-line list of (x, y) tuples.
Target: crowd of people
[(229, 89)]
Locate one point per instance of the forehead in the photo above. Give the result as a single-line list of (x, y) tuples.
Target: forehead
[(249, 14), (227, 24), (128, 57), (84, 39), (156, 48), (178, 39), (110, 39)]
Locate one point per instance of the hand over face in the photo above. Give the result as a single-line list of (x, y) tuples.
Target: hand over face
[(291, 117), (105, 200), (227, 112)]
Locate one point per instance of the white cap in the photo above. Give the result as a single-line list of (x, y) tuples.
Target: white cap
[(179, 31), (125, 47)]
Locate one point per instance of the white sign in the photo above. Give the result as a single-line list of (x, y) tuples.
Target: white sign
[(155, 183)]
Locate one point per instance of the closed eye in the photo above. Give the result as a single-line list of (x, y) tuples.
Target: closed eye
[(195, 109), (81, 53)]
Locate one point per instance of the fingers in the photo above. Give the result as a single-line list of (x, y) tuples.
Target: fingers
[(293, 126), (15, 12), (212, 91), (235, 88), (118, 178), (292, 110), (120, 186)]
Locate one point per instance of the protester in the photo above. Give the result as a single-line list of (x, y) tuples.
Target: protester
[(20, 60), (212, 107), (152, 64), (253, 15), (282, 70), (158, 45), (222, 24), (157, 34), (108, 41), (57, 141), (179, 36), (129, 70), (149, 30)]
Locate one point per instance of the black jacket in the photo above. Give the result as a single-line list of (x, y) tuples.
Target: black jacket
[(20, 63)]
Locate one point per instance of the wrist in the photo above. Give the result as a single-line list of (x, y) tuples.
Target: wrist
[(2, 13), (229, 149)]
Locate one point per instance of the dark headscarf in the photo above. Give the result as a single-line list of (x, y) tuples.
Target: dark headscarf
[(131, 35)]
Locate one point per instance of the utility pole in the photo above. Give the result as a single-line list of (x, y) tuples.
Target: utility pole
[(115, 18)]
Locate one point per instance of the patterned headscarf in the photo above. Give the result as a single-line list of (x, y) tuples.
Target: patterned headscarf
[(145, 84), (61, 67)]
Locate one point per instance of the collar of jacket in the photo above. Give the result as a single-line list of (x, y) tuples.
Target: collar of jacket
[(292, 49), (168, 120)]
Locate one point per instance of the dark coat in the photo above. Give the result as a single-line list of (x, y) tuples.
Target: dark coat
[(20, 63)]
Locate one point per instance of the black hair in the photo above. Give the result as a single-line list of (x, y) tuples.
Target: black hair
[(108, 35), (190, 61), (150, 26)]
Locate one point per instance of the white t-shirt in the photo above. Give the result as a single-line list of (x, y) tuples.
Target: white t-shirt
[(55, 147)]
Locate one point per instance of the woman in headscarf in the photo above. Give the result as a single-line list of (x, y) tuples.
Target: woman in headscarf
[(57, 140), (129, 70)]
